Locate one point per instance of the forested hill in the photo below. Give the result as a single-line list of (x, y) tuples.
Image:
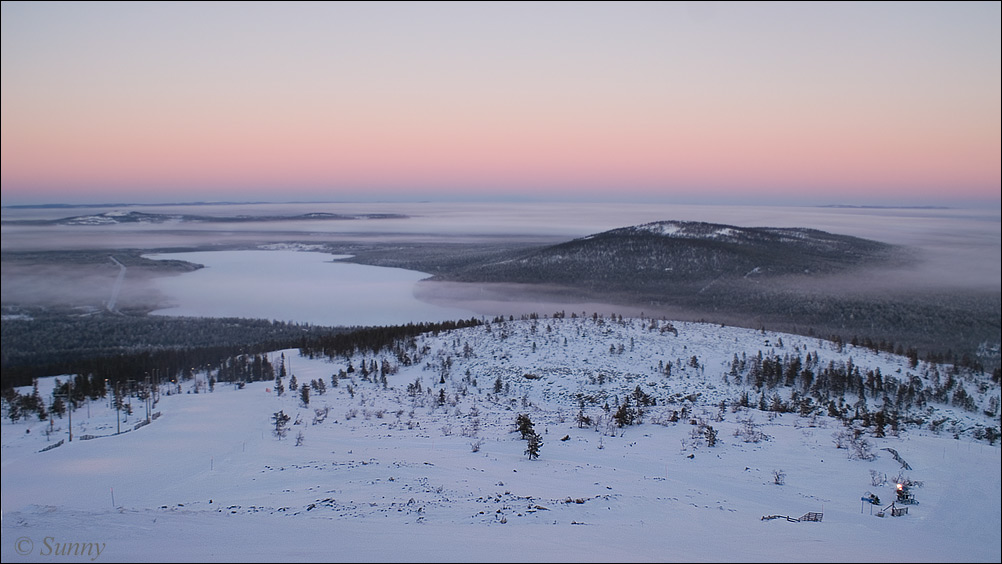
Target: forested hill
[(681, 257)]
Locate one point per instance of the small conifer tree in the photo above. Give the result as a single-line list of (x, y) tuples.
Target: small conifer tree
[(532, 449), (524, 425), (280, 419)]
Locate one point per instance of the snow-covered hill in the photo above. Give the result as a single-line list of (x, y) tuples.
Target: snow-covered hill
[(426, 465), (663, 254)]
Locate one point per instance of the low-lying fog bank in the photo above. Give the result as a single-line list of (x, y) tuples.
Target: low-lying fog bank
[(955, 267)]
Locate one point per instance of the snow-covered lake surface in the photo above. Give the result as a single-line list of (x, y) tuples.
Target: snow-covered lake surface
[(391, 473), (303, 287)]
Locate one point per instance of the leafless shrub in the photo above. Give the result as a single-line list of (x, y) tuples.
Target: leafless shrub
[(858, 447), (749, 432)]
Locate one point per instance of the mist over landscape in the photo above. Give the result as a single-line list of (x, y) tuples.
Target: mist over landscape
[(955, 247), (939, 269)]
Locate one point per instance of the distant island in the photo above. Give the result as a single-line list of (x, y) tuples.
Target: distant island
[(117, 217), (124, 205), (163, 204), (850, 206)]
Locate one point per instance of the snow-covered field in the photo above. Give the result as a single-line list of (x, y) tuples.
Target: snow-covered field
[(393, 473)]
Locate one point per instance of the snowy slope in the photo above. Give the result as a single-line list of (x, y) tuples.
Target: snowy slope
[(394, 474)]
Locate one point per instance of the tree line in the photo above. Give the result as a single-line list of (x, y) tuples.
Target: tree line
[(116, 348), (109, 345)]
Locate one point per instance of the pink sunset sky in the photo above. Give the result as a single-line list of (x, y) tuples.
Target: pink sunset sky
[(855, 103)]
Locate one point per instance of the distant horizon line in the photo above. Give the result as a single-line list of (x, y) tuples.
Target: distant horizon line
[(64, 205)]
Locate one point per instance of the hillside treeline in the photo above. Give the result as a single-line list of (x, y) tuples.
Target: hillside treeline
[(115, 347), (47, 343)]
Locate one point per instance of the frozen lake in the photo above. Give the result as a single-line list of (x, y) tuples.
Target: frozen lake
[(304, 287)]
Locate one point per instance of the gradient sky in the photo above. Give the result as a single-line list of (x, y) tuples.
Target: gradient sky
[(843, 102)]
